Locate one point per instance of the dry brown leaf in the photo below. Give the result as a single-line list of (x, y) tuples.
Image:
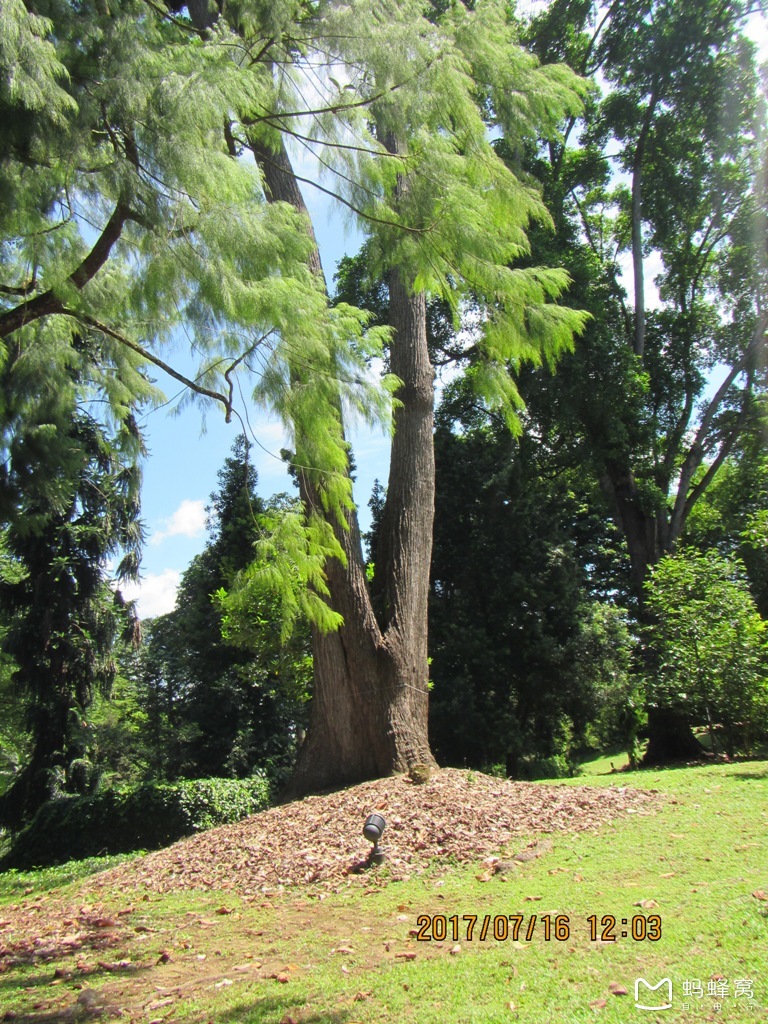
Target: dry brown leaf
[(406, 956), (598, 1004), (158, 1003), (455, 949), (759, 894), (484, 813), (616, 989)]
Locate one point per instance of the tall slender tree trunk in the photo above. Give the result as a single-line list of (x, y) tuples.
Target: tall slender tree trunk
[(369, 711), (638, 269)]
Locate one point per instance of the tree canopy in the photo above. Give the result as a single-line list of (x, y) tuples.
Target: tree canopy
[(151, 170)]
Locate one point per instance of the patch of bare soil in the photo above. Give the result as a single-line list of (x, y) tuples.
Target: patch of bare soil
[(462, 815)]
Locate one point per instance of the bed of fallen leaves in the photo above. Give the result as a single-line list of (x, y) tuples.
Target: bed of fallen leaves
[(461, 815)]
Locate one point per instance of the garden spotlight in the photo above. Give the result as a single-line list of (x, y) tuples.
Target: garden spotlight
[(373, 831)]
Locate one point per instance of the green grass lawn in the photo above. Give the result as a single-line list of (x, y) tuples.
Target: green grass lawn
[(688, 869)]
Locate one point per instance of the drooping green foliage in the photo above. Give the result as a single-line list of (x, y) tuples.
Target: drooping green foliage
[(127, 215), (209, 704), (132, 213), (712, 645), (461, 224)]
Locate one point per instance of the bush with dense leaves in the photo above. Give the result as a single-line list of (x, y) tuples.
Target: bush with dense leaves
[(713, 646), (145, 817)]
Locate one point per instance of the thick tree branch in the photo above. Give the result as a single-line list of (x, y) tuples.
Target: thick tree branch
[(22, 289), (685, 499), (48, 302), (167, 16)]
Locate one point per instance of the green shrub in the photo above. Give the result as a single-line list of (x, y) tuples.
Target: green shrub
[(555, 767), (145, 817)]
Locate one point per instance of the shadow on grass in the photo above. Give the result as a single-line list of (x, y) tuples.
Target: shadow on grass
[(272, 1008), (748, 776), (712, 761), (76, 1014), (54, 963)]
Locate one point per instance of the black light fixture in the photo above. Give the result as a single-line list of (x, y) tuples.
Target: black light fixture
[(373, 831)]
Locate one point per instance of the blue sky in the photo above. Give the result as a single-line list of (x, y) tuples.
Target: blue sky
[(185, 456)]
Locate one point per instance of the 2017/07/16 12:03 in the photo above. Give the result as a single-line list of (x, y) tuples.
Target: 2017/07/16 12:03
[(516, 927)]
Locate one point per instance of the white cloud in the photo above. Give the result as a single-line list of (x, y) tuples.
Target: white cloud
[(187, 521), (155, 594)]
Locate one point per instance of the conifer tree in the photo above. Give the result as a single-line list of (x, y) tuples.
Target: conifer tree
[(63, 615), (224, 706)]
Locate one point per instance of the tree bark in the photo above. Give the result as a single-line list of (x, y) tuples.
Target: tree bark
[(670, 738), (644, 531), (370, 702), (638, 271)]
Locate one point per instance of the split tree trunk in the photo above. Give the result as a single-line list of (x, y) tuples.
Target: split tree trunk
[(370, 703)]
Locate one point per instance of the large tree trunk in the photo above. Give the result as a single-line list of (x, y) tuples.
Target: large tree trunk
[(670, 738), (369, 710)]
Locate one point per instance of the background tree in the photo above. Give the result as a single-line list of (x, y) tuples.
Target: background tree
[(679, 120), (64, 616), (522, 635), (735, 500)]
